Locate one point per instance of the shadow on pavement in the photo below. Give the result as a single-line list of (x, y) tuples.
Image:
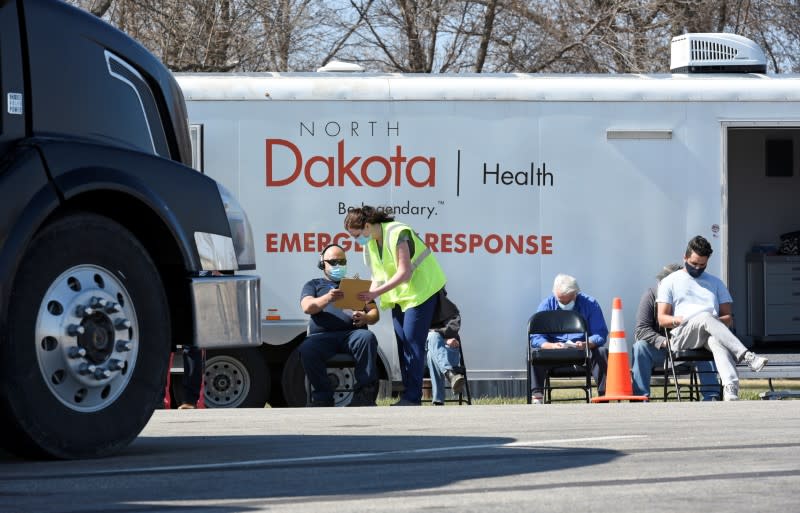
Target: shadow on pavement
[(158, 469)]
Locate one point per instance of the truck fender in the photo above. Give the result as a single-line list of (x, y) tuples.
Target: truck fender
[(79, 168), (21, 215)]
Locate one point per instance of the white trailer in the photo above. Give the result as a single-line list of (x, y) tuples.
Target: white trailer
[(510, 178)]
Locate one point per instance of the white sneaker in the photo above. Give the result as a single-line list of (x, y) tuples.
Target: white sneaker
[(755, 362), (537, 399), (730, 392)]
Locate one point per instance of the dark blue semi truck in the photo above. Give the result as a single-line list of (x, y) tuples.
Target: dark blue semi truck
[(113, 250)]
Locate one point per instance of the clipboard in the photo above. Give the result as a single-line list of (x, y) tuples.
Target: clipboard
[(351, 287)]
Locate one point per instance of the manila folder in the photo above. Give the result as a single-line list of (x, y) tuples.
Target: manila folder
[(351, 288)]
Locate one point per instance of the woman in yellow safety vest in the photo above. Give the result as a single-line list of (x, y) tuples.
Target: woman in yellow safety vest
[(407, 277)]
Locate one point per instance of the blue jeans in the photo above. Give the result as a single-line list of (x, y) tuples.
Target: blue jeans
[(411, 331), (646, 356), (319, 347), (440, 360)]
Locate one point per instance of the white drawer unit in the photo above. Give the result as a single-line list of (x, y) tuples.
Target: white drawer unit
[(774, 297)]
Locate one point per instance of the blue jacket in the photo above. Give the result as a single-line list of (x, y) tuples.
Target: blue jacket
[(591, 312)]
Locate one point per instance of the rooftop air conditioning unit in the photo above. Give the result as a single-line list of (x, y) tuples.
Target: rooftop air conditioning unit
[(716, 53), (340, 67)]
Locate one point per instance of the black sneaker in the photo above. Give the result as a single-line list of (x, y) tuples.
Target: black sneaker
[(365, 396), (457, 381)]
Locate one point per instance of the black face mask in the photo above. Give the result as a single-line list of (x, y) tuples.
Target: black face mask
[(693, 271)]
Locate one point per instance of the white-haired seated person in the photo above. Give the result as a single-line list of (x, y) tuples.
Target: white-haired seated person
[(567, 295)]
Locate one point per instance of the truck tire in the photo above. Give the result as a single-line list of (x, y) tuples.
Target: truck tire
[(293, 381), (84, 364), (295, 385), (236, 378), (276, 398)]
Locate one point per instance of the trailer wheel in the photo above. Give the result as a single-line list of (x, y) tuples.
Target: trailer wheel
[(295, 385), (85, 361), (236, 378)]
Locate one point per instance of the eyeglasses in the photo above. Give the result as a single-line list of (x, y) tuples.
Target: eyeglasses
[(337, 261)]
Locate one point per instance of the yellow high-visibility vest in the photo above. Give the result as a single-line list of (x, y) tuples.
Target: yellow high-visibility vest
[(427, 277)]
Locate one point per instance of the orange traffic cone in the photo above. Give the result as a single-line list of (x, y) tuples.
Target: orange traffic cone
[(618, 377)]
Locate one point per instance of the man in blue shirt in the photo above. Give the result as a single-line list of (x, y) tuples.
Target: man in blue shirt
[(567, 295), (333, 330)]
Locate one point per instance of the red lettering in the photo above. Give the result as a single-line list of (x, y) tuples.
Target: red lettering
[(344, 239), (447, 243), (308, 243), (347, 169), (497, 240), (298, 162), (314, 242), (323, 240), (386, 176), (431, 240), (289, 242), (475, 241), (461, 246), (271, 245), (305, 242), (430, 181), (547, 244), (533, 246), (514, 243), (327, 163), (398, 160), (417, 171)]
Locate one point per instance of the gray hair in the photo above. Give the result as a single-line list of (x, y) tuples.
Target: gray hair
[(565, 284), (667, 270)]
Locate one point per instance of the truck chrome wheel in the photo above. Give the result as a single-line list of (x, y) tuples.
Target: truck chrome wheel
[(227, 382), (85, 362), (343, 383), (296, 387), (236, 378), (86, 338)]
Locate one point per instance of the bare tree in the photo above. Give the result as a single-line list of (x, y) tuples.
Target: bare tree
[(227, 35), (552, 36), (436, 36), (775, 26), (416, 36), (486, 34)]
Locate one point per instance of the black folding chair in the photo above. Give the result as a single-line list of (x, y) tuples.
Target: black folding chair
[(684, 362), (559, 362), (464, 397), (341, 374)]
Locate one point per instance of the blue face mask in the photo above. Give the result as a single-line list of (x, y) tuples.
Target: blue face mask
[(693, 271), (362, 239), (568, 306), (337, 272)]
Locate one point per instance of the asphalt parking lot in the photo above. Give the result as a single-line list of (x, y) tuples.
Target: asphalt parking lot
[(732, 457)]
